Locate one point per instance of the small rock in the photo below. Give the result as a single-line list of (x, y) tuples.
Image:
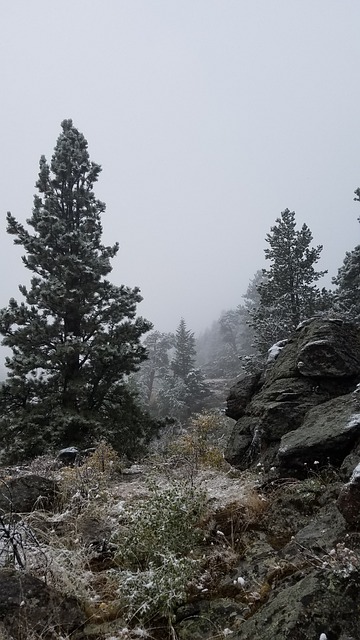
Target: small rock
[(68, 456)]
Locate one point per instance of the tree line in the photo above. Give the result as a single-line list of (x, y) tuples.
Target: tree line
[(279, 298), (81, 367)]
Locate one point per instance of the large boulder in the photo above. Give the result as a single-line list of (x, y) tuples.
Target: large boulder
[(319, 363), (327, 434), (329, 348), (28, 606), (25, 493)]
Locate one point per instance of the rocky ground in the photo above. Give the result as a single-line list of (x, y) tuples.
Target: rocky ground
[(189, 546), (275, 559)]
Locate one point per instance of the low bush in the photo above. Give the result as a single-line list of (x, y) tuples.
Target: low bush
[(155, 556)]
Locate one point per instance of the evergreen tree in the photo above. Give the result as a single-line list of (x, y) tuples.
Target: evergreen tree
[(172, 400), (190, 380), (185, 352), (288, 294), (346, 297), (230, 328), (155, 368), (250, 357), (227, 347), (76, 337), (347, 293), (198, 390)]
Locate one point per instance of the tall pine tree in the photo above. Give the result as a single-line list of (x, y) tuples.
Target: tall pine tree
[(185, 352), (75, 337), (155, 368), (193, 385), (288, 293)]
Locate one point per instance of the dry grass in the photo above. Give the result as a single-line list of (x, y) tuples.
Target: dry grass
[(59, 547)]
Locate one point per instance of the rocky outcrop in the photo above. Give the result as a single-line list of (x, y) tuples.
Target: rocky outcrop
[(306, 410), (306, 609), (327, 434), (297, 575), (241, 394), (302, 428), (328, 349)]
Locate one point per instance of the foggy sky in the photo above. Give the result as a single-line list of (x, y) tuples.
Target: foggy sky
[(209, 118)]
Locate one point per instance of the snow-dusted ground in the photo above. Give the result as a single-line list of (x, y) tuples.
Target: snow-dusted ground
[(221, 487)]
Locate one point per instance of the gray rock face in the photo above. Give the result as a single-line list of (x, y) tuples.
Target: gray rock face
[(350, 462), (202, 620), (329, 349), (26, 493), (298, 611), (240, 395), (328, 433), (320, 363), (322, 531), (28, 606)]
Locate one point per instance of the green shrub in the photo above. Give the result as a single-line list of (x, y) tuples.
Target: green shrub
[(165, 522), (155, 551), (204, 441)]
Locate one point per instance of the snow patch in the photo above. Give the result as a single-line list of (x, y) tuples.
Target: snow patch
[(274, 351), (283, 448), (353, 422), (304, 323), (316, 343), (355, 474)]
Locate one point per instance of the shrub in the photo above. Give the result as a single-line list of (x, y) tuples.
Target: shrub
[(167, 522), (203, 443), (155, 545), (104, 459), (81, 483), (156, 591)]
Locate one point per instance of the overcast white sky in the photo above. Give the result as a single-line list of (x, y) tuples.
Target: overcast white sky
[(209, 117)]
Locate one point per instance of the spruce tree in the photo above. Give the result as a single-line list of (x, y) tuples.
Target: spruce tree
[(156, 367), (185, 352), (75, 337), (194, 389), (288, 293)]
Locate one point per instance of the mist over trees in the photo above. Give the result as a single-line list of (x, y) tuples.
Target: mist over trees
[(224, 348), (178, 386), (278, 299), (84, 366)]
